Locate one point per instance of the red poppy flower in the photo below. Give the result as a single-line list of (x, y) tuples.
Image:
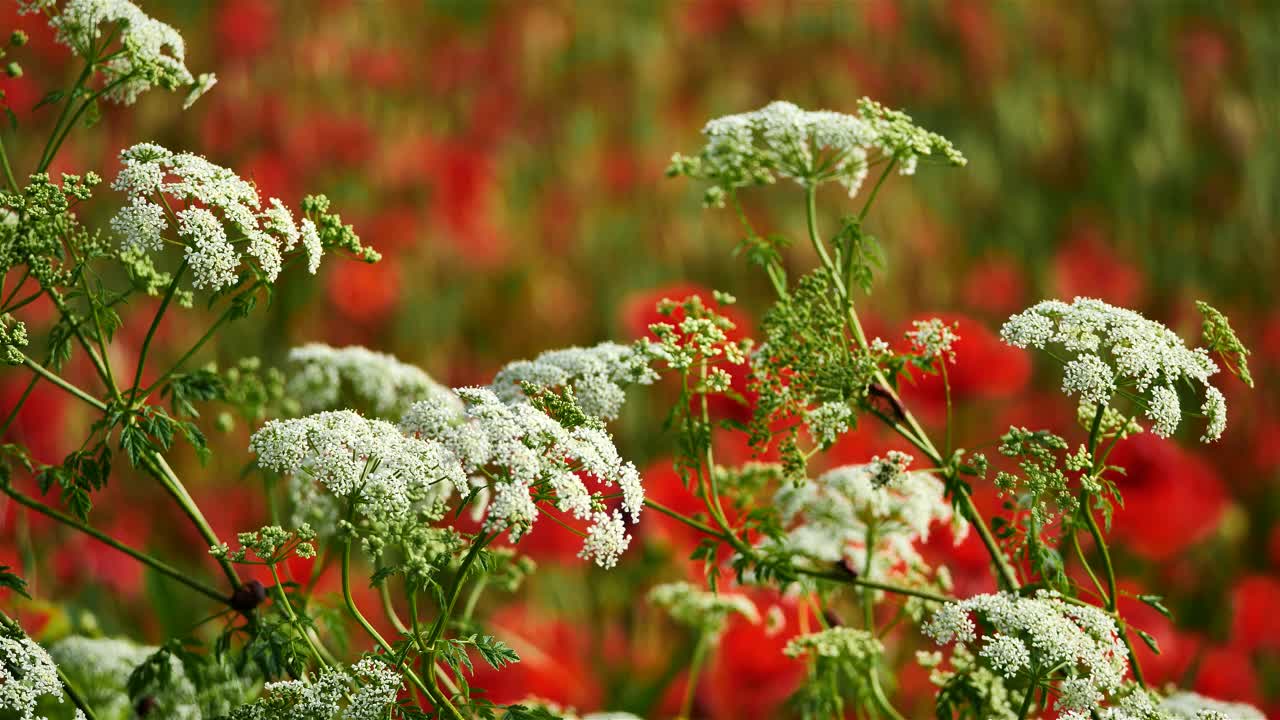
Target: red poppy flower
[(1255, 624), (748, 677), (1172, 498), (1088, 266), (985, 368), (555, 661)]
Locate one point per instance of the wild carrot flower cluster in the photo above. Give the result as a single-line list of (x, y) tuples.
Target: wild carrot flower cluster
[(1110, 350), (152, 173)]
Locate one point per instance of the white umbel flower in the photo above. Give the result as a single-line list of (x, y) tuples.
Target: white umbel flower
[(830, 519), (597, 375), (811, 147), (1117, 349), (148, 53), (27, 673), (365, 691), (378, 382), (221, 209), (524, 451), (369, 462), (1184, 705), (1081, 642), (702, 610), (1090, 378)]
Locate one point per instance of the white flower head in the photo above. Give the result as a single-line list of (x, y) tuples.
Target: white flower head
[(811, 147), (831, 518), (597, 375), (27, 673), (220, 209), (1183, 705), (1081, 642), (1120, 350), (327, 376), (702, 610), (934, 339), (368, 462), (146, 53), (525, 452)]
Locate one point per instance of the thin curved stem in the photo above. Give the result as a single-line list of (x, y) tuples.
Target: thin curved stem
[(691, 682), (159, 468), (293, 618), (151, 331), (372, 632), (43, 372), (154, 563)]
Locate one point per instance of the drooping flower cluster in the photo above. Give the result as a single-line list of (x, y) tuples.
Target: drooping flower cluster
[(832, 519), (375, 381), (1040, 636), (1117, 350), (145, 53), (811, 147), (597, 375), (211, 239), (524, 451), (27, 673), (369, 462), (365, 691), (705, 611)]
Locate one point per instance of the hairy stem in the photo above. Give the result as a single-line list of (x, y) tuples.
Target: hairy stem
[(159, 468)]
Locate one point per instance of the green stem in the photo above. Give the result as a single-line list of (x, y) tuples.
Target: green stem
[(17, 407), (691, 684), (372, 632), (8, 171), (293, 619), (1029, 697), (866, 207), (151, 562), (223, 318), (151, 331), (46, 156), (159, 468), (77, 392), (916, 434)]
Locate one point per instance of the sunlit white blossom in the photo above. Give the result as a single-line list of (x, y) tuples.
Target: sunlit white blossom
[(521, 449), (221, 209), (1184, 705), (366, 461), (1112, 351), (811, 147), (706, 611), (830, 519), (1081, 642), (146, 53)]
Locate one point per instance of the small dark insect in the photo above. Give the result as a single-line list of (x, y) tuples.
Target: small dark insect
[(248, 596), (882, 394)]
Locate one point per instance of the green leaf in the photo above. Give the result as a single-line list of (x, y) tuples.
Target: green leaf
[(1149, 640), (13, 582), (1157, 603), (50, 98)]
